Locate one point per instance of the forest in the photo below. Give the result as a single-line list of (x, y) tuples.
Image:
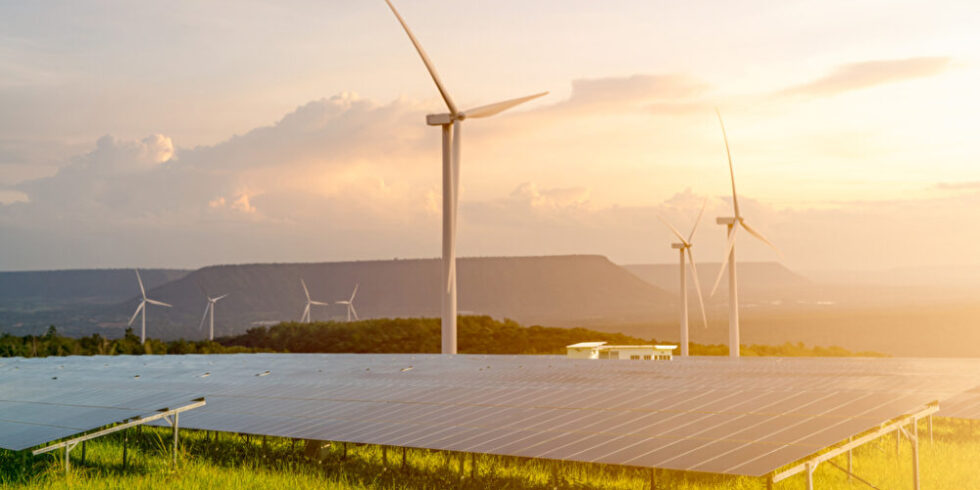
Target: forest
[(477, 335)]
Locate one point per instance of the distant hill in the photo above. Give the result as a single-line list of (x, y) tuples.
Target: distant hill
[(554, 290), (757, 281), (91, 286)]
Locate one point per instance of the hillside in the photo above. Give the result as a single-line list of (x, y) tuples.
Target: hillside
[(92, 286), (757, 281), (554, 290)]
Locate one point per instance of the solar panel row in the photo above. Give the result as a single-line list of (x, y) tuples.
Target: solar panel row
[(746, 417)]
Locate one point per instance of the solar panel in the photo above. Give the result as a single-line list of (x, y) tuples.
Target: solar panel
[(31, 415), (745, 417), (965, 405)]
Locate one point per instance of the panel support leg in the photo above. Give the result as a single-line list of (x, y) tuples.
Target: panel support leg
[(473, 471), (915, 454), (653, 479), (769, 482), (125, 447), (850, 458), (83, 452), (810, 468), (930, 429), (176, 436)]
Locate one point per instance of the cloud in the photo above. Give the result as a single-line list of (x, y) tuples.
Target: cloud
[(629, 93), (556, 198), (865, 74), (958, 186)]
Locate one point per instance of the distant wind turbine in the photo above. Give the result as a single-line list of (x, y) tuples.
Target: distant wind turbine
[(451, 142), (309, 303), (350, 304), (210, 309), (142, 307), (733, 224), (684, 247)]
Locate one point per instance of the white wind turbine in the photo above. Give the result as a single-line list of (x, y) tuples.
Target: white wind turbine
[(210, 309), (142, 307), (309, 303), (451, 138), (733, 224), (350, 304), (684, 247)]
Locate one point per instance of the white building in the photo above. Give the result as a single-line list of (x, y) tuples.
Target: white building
[(599, 350)]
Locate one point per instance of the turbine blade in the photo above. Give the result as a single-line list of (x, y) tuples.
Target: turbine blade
[(697, 286), (728, 253), (676, 233), (158, 303), (498, 107), (731, 167), (319, 303), (343, 302), (138, 310), (760, 237), (697, 221), (205, 317), (355, 292), (140, 280), (306, 314), (219, 298), (425, 59), (307, 291), (354, 311)]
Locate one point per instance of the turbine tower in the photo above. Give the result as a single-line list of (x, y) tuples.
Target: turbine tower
[(733, 224), (350, 304), (451, 142), (309, 303), (142, 307), (210, 309), (684, 247)]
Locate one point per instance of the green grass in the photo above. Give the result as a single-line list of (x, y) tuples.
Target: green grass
[(236, 463)]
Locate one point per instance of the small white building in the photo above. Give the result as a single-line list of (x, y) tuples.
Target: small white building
[(599, 350)]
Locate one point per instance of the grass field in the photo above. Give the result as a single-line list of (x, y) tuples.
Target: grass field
[(234, 462)]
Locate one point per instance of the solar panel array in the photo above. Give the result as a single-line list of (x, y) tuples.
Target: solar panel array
[(965, 405), (33, 415), (745, 417)]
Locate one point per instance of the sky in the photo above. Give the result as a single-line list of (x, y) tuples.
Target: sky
[(183, 134)]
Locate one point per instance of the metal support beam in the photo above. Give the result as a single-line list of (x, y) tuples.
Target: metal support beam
[(915, 454), (896, 425), (164, 413)]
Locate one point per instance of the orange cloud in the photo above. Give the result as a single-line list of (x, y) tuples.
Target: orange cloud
[(856, 76)]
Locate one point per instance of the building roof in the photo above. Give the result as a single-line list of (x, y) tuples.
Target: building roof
[(585, 345)]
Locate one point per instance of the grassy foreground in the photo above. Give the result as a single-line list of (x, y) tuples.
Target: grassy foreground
[(236, 462)]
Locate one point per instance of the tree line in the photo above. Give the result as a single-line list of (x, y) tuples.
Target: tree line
[(476, 335)]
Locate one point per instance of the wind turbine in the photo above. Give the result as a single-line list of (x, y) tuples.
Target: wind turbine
[(350, 304), (210, 309), (309, 303), (451, 142), (142, 307), (733, 224), (684, 247)]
